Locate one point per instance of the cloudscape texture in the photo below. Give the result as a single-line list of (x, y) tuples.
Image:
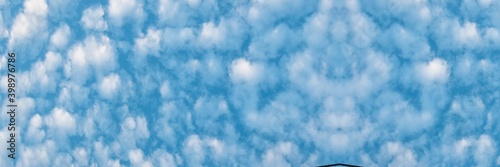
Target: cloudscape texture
[(252, 82)]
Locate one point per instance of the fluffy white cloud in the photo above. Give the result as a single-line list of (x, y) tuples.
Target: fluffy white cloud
[(400, 116), (196, 149), (399, 155), (482, 149), (193, 149), (176, 13), (227, 34), (404, 40), (132, 131), (485, 150), (242, 71), (137, 158), (92, 19), (61, 123), (102, 155), (38, 155), (61, 36), (35, 133), (467, 34), (171, 12), (274, 42), (167, 125), (162, 158), (211, 34), (72, 95), (120, 11), (148, 44), (94, 52), (165, 90), (435, 71), (109, 86), (277, 117), (44, 73), (283, 154), (29, 29), (81, 156)]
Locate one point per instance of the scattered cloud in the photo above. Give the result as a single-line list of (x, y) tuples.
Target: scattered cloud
[(253, 83)]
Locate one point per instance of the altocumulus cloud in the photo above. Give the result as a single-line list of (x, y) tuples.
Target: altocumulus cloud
[(253, 82)]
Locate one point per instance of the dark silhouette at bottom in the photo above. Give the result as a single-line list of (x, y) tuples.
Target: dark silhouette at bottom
[(339, 165)]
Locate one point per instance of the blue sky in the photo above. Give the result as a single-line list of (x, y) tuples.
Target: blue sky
[(253, 82)]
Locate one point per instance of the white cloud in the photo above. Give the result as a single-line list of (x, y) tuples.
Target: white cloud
[(172, 13), (467, 34), (212, 34), (27, 108), (95, 52), (485, 3), (38, 155), (403, 39), (213, 68), (193, 149), (227, 34), (435, 71), (29, 29), (61, 36), (305, 77), (165, 90), (335, 136), (44, 73), (102, 154), (162, 158), (242, 71), (485, 150), (316, 31), (109, 86), (482, 149), (399, 155), (5, 135), (122, 10), (278, 116), (193, 3), (35, 133), (340, 78), (72, 95), (61, 124), (282, 154), (273, 42), (400, 116), (149, 44), (81, 156), (133, 130), (36, 7), (137, 158), (92, 19), (176, 14), (492, 36), (461, 147), (166, 126), (196, 150)]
